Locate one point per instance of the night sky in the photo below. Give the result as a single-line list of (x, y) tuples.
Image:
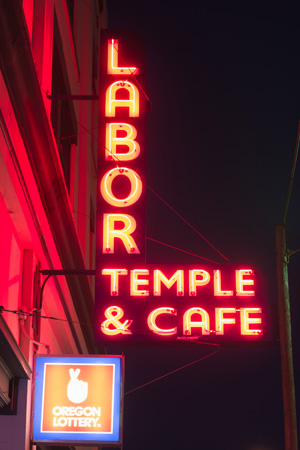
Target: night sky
[(224, 82)]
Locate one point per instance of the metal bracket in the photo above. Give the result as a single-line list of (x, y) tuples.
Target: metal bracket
[(51, 273), (292, 252), (72, 97)]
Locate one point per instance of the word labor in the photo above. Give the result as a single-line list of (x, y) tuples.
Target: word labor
[(122, 101)]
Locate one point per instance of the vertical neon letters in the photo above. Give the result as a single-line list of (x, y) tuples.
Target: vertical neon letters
[(120, 145)]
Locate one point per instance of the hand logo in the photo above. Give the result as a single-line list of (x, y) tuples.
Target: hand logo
[(77, 389)]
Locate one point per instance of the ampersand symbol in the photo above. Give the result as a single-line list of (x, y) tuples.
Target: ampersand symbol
[(113, 314), (77, 389)]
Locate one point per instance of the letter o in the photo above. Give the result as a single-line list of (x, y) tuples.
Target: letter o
[(56, 410), (88, 411), (135, 183), (62, 421)]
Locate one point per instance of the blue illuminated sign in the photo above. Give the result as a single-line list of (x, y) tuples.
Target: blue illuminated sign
[(78, 400)]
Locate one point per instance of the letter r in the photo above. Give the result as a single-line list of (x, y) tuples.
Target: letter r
[(111, 232)]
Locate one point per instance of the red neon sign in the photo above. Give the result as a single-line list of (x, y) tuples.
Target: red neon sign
[(135, 301), (167, 304)]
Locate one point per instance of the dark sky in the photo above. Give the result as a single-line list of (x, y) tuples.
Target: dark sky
[(224, 82)]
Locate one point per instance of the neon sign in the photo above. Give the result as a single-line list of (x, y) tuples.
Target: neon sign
[(148, 304), (135, 301)]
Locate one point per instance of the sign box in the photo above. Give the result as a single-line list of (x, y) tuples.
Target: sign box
[(137, 302), (177, 303), (78, 400)]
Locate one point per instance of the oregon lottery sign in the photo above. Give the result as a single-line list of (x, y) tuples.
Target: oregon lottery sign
[(135, 301), (78, 400)]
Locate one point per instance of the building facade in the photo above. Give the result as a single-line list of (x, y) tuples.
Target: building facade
[(49, 81)]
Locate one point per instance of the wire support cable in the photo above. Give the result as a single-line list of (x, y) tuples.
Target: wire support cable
[(186, 222), (23, 314), (180, 250), (174, 371), (116, 159)]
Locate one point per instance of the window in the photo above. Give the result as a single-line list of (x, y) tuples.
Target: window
[(12, 367)]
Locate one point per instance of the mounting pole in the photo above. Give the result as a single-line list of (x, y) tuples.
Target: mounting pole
[(288, 385), (51, 272)]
